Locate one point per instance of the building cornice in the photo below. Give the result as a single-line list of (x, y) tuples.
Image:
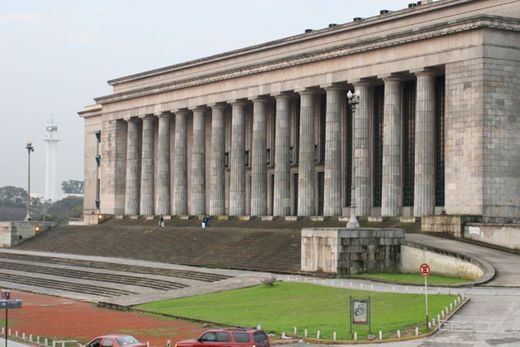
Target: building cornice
[(406, 36), (91, 111), (314, 34)]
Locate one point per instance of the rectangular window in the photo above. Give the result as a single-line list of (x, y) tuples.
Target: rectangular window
[(241, 337)]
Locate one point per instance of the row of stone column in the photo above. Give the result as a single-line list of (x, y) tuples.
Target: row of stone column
[(140, 168)]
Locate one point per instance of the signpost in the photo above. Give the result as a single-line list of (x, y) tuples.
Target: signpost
[(424, 269), (5, 304), (360, 313)]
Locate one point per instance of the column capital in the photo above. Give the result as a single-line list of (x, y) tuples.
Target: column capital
[(200, 108), (182, 112), (261, 98), (218, 105), (239, 102), (334, 86), (392, 77), (283, 95), (164, 114), (363, 82), (428, 71), (147, 116), (308, 91)]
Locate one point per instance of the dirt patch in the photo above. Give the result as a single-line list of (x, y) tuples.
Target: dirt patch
[(62, 318)]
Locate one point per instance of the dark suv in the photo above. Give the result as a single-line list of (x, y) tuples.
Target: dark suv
[(229, 337)]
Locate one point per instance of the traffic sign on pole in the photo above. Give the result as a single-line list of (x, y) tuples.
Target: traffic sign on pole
[(4, 304), (424, 269)]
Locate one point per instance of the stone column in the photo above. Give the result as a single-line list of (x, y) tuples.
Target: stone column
[(180, 179), (361, 158), (147, 166), (259, 158), (163, 165), (282, 197), (424, 190), (306, 170), (217, 173), (392, 175), (237, 176), (332, 192), (132, 168), (198, 164)]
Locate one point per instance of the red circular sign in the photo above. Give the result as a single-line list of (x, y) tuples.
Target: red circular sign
[(424, 269)]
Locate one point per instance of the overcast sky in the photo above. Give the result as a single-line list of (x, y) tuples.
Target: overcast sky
[(56, 56)]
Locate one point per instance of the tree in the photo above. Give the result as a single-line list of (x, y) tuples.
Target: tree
[(62, 210), (13, 196), (72, 187)]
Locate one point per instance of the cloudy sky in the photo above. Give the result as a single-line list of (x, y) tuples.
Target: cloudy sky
[(56, 56)]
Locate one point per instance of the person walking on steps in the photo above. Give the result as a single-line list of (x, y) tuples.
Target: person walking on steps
[(162, 223)]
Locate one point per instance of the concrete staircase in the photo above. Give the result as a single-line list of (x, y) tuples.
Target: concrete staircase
[(225, 244)]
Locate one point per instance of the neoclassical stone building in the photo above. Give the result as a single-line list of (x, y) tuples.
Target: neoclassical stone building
[(267, 129)]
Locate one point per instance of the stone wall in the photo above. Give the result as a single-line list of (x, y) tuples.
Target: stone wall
[(348, 251), (12, 233), (440, 264), (453, 225), (503, 235), (501, 69)]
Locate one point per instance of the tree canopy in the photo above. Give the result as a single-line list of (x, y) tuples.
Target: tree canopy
[(72, 187)]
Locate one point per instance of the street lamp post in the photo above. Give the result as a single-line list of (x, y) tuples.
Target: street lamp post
[(30, 149), (353, 100)]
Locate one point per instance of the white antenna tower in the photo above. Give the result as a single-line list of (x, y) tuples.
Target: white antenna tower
[(52, 192)]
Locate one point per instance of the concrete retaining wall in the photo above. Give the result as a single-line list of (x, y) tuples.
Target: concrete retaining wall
[(440, 264), (503, 235), (345, 251), (12, 233), (453, 225)]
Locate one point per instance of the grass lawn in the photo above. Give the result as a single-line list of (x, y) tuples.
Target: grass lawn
[(286, 305), (406, 278)]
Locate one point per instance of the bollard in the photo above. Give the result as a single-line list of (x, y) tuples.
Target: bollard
[(380, 335), (53, 343), (147, 343), (16, 333), (38, 339), (416, 331), (305, 333), (355, 336), (318, 334), (23, 336), (30, 337), (63, 344), (45, 342), (442, 314), (283, 336), (398, 334), (334, 336), (168, 343), (451, 306), (439, 318), (429, 325), (433, 322), (295, 331), (9, 331)]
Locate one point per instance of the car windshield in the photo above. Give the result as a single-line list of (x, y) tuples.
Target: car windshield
[(126, 340)]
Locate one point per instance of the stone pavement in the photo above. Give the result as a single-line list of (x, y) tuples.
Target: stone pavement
[(11, 343)]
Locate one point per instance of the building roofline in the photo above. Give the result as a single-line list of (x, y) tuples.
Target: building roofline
[(394, 15)]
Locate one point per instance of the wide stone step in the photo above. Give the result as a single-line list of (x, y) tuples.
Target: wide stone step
[(186, 274), (90, 289), (94, 276)]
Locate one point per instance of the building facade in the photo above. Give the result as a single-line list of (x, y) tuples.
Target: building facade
[(268, 130)]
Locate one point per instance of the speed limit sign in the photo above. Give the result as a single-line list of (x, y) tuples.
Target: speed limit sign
[(424, 269)]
